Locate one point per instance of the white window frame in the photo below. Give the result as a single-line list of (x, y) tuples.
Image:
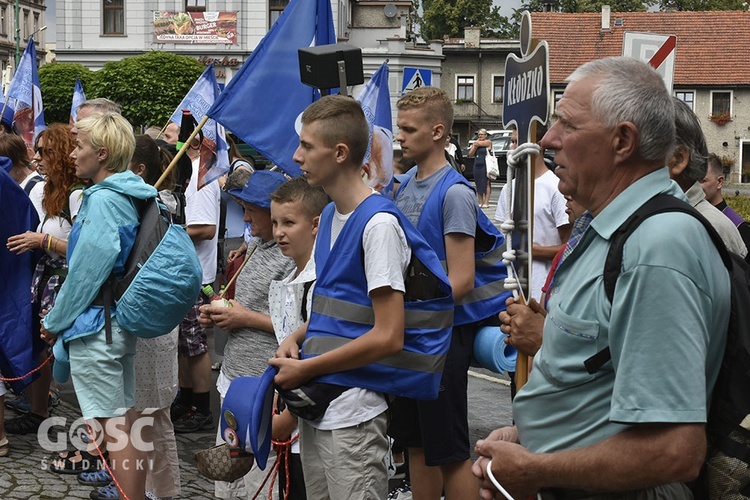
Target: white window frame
[(731, 101), (685, 91), (473, 87), (498, 75)]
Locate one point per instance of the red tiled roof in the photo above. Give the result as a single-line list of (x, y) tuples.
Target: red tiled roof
[(712, 47)]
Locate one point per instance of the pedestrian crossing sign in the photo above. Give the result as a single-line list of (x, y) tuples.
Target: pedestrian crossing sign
[(415, 78)]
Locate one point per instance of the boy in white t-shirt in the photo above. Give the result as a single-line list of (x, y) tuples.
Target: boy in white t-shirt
[(343, 451), (295, 214)]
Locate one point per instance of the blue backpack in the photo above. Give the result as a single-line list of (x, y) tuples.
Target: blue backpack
[(162, 278)]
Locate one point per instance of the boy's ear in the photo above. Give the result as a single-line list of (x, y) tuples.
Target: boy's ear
[(439, 132), (315, 225), (342, 152)]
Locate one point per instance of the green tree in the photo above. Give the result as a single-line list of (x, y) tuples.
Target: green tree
[(57, 81), (148, 87), (451, 17), (703, 5)]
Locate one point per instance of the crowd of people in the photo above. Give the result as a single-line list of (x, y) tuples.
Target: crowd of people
[(325, 292)]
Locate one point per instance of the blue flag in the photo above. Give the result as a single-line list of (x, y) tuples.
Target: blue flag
[(78, 98), (261, 103), (25, 89), (375, 99), (214, 148), (18, 325)]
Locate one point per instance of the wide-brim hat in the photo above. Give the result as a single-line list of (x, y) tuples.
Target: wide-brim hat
[(247, 413), (259, 187)]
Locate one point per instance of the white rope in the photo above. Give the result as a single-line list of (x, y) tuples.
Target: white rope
[(516, 157), (497, 485), (495, 482)]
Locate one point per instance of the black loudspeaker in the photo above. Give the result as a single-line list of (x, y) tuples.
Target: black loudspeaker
[(319, 66)]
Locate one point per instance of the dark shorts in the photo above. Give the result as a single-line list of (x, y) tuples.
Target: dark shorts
[(192, 340), (440, 426)]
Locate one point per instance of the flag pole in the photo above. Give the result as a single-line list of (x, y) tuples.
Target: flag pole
[(5, 105), (181, 152), (161, 132), (238, 271)]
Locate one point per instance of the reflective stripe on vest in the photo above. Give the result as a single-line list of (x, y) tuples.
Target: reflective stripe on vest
[(428, 363), (357, 313)]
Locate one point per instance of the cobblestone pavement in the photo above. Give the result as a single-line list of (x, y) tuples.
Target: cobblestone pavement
[(23, 474)]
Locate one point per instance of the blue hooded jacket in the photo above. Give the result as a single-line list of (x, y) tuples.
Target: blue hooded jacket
[(99, 243)]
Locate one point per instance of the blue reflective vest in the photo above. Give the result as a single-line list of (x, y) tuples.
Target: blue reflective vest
[(489, 295), (342, 309)]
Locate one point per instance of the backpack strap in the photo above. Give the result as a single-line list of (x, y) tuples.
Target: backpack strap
[(661, 203), (32, 182), (306, 291)]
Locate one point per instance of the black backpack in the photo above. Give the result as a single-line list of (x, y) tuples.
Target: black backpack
[(726, 472)]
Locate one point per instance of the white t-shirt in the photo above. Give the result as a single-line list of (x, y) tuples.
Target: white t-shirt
[(382, 236), (36, 193), (58, 226), (549, 214), (202, 207)]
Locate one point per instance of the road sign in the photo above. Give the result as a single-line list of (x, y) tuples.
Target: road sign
[(657, 50), (415, 78)]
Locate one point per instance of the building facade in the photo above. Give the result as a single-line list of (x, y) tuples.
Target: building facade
[(15, 31), (474, 78), (711, 73)]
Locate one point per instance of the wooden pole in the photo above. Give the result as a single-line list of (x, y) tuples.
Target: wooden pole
[(237, 273), (181, 152)]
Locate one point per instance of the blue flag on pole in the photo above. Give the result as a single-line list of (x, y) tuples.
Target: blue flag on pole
[(25, 89), (261, 103), (214, 148), (78, 98), (375, 99)]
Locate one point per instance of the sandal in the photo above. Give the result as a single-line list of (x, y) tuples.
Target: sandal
[(96, 478), (4, 447), (25, 424), (75, 462), (109, 492)]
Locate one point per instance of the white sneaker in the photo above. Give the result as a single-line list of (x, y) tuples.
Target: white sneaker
[(402, 492)]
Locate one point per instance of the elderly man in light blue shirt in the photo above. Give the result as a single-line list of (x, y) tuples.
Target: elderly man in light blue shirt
[(637, 424)]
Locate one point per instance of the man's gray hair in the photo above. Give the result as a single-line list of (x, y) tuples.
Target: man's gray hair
[(630, 90), (689, 134), (101, 104)]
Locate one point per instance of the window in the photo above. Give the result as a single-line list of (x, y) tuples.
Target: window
[(114, 17), (36, 24), (557, 95), (3, 20), (498, 86), (195, 5), (464, 88), (26, 25), (688, 97), (275, 8), (721, 102)]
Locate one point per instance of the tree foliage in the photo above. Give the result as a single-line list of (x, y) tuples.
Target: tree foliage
[(703, 5), (57, 81), (450, 17), (148, 87)]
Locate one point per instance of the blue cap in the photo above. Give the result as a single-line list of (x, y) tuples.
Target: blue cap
[(247, 413), (259, 187)]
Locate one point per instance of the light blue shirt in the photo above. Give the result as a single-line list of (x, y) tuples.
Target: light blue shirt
[(666, 329)]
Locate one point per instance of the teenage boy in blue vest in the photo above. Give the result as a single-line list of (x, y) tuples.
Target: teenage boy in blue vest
[(343, 452), (444, 208)]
